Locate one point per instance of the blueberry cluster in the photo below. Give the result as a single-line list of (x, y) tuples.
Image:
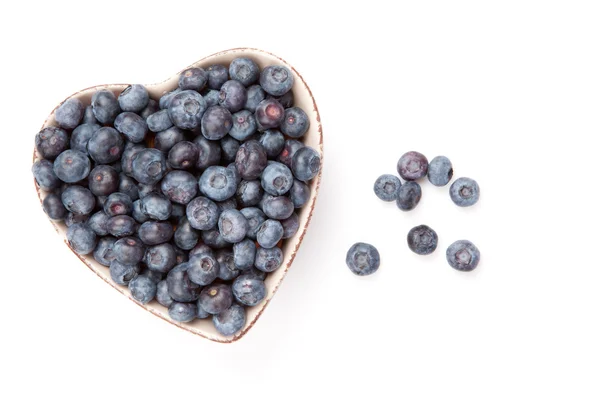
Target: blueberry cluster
[(363, 259), (186, 198)]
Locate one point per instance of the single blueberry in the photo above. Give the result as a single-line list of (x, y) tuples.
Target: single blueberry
[(277, 179), (234, 171), (137, 213), (464, 192), (182, 312), (81, 136), (134, 98), (69, 114), (362, 259), (122, 274), (193, 79), (273, 141), (181, 288), (203, 269), (78, 200), (276, 80), (50, 142), (149, 166), (132, 126), (160, 258), (153, 233), (82, 238), (165, 140), (255, 94), (249, 290), (233, 96), (150, 109), (422, 240), (201, 314), (269, 233), (213, 238), (269, 114), (251, 160), (183, 155), (217, 183), (165, 100), (103, 180), (143, 289), (209, 152), (216, 298), (233, 226), (227, 268), (268, 260), (185, 236), (249, 193), (279, 207), (54, 207), (289, 150), (217, 76), (186, 109), (121, 225), (129, 250), (244, 70), (156, 206), (98, 223), (229, 149), (128, 186), (409, 196), (88, 116), (290, 226), (43, 172), (118, 204), (306, 164), (255, 219), (105, 106), (162, 294), (202, 213), (159, 121), (244, 253), (216, 122), (299, 193), (211, 97), (440, 171), (129, 152), (412, 166), (295, 122), (387, 187), (179, 186), (106, 146), (103, 253), (463, 255), (231, 320)]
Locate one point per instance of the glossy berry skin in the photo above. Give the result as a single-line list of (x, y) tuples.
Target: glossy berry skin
[(251, 160), (217, 76), (162, 294), (233, 226), (233, 96), (306, 164), (249, 193), (422, 240), (277, 179), (203, 269), (387, 187), (193, 79), (299, 193), (103, 180), (209, 152), (202, 213), (105, 106), (50, 142), (43, 172), (106, 146), (121, 225), (409, 196), (279, 207), (128, 186), (153, 233), (181, 288), (463, 255), (229, 149), (159, 121), (156, 206), (143, 289), (150, 109), (249, 290), (268, 260), (179, 186), (54, 208), (81, 136), (122, 274), (211, 97), (273, 141), (227, 269), (214, 239), (182, 312), (362, 259), (290, 226), (186, 109), (160, 258), (230, 321), (269, 233), (255, 218), (129, 250), (78, 200), (132, 126), (244, 70), (82, 238), (269, 114), (118, 204), (255, 94), (98, 223), (216, 298), (134, 98), (464, 192), (289, 150), (216, 122), (217, 183), (149, 166), (295, 122), (69, 114), (412, 166), (183, 155), (440, 171), (276, 80), (103, 252), (244, 253)]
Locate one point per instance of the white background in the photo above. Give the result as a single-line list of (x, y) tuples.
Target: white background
[(508, 90)]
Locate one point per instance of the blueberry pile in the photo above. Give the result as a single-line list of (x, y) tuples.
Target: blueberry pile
[(363, 259), (186, 198)]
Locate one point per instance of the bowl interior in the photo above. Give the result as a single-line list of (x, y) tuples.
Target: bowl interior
[(303, 99)]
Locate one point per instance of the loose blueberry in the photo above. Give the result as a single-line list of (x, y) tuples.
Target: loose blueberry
[(217, 183), (186, 109), (121, 225), (387, 187), (81, 136), (118, 204), (43, 172), (255, 94), (269, 114), (273, 141), (233, 226), (153, 233), (193, 79), (229, 149), (128, 186), (249, 193), (134, 98), (137, 213), (54, 208), (162, 294), (165, 100), (251, 160), (103, 180), (231, 320), (50, 142), (122, 274), (422, 240), (149, 166), (269, 233), (412, 166), (209, 152), (106, 146), (132, 126), (216, 122), (203, 269), (78, 200), (277, 179), (409, 196), (105, 106), (103, 253), (306, 164), (244, 253), (98, 223), (234, 171), (362, 259), (279, 207), (69, 114), (182, 312), (463, 255), (289, 150), (217, 76), (299, 193), (276, 80), (268, 260), (159, 121), (202, 213), (160, 258), (211, 96), (290, 226), (464, 192), (165, 140), (201, 314), (185, 236), (216, 298), (227, 268), (255, 219), (233, 96), (181, 288), (183, 155), (179, 187), (249, 290), (128, 250), (156, 206), (440, 171), (82, 238), (295, 122), (244, 70), (142, 288)]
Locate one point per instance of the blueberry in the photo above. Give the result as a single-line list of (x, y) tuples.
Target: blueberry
[(229, 204), (106, 145), (440, 171), (463, 255), (464, 192), (143, 289), (269, 114), (154, 276), (165, 100), (209, 152), (185, 236), (216, 122), (156, 206), (362, 259), (233, 226), (134, 98), (69, 114), (287, 100), (244, 253), (103, 253), (233, 96), (279, 207), (201, 248), (211, 97), (231, 320), (150, 109), (81, 136), (128, 186), (422, 240), (227, 268), (276, 179), (306, 164), (229, 149), (129, 152), (201, 314), (121, 225), (72, 218), (409, 196), (412, 166), (103, 180), (118, 204), (50, 142), (299, 193), (256, 273), (249, 290), (214, 239), (181, 288), (137, 213), (132, 126), (105, 106), (295, 122), (290, 226), (122, 274), (128, 250), (98, 223), (255, 219), (88, 116), (289, 150), (162, 294), (82, 238), (269, 233), (203, 269), (217, 76), (216, 298), (249, 193), (234, 171), (387, 187), (186, 109), (268, 260), (251, 160), (182, 312), (159, 121), (179, 187), (54, 208), (153, 233), (160, 258), (202, 213), (43, 172), (193, 79), (217, 183), (78, 200), (145, 190), (149, 166), (273, 141), (183, 155), (276, 80), (165, 140)]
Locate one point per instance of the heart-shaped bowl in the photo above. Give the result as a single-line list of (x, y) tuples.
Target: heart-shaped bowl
[(314, 137)]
